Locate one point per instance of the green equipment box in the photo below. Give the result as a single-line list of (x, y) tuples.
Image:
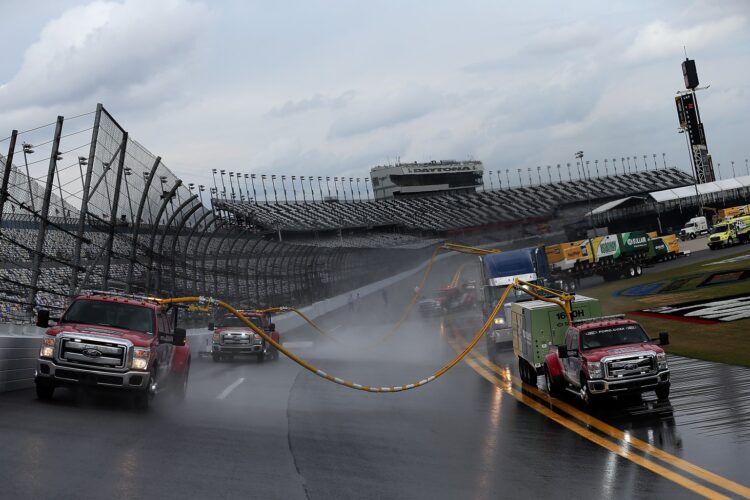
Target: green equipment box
[(538, 325)]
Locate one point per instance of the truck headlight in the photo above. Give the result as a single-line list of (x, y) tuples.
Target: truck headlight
[(661, 360), (499, 321), (595, 369), (140, 358), (47, 350)]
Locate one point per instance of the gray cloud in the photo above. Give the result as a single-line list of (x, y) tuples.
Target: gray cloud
[(315, 102)]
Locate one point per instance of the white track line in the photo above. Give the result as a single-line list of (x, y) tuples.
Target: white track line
[(229, 389)]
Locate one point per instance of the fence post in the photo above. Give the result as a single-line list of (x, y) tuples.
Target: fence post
[(6, 173), (113, 211), (37, 259)]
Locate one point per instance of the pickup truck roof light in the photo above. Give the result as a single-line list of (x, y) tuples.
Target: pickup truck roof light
[(600, 319)]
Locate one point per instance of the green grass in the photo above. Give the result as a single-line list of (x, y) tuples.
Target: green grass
[(722, 342)]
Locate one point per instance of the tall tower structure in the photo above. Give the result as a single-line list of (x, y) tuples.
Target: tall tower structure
[(690, 122)]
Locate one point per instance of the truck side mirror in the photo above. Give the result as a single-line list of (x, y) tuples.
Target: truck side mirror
[(562, 351), (180, 335), (211, 326), (42, 318), (663, 338)]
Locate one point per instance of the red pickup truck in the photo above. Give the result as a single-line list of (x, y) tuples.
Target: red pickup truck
[(607, 357), (116, 342), (232, 337)]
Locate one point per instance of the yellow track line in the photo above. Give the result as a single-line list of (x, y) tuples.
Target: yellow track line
[(595, 438), (616, 433)]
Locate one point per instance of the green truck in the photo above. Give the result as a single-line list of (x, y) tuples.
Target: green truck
[(538, 325)]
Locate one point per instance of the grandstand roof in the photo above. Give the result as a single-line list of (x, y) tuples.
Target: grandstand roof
[(451, 210), (708, 187)]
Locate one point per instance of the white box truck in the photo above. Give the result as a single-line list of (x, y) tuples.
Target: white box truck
[(696, 226)]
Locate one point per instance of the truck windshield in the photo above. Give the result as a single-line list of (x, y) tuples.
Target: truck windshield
[(515, 295), (613, 335), (721, 228), (235, 322), (114, 314), (689, 225)]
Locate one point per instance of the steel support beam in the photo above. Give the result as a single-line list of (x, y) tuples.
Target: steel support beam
[(137, 222), (113, 211), (167, 198), (37, 257), (85, 201), (6, 173), (171, 219), (175, 240)]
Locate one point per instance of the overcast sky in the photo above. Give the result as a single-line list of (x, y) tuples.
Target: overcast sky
[(319, 87)]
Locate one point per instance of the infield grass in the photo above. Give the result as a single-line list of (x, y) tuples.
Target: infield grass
[(725, 342)]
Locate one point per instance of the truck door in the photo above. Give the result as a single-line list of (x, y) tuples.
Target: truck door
[(571, 364), (164, 350)]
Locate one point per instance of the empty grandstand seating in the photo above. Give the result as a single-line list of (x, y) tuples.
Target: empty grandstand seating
[(449, 211)]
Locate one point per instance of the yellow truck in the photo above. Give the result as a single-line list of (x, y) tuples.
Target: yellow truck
[(730, 232)]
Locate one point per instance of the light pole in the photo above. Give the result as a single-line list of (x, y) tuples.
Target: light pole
[(312, 190), (747, 169), (539, 173), (275, 194), (231, 185), (664, 158), (614, 166), (294, 189), (635, 163), (579, 156), (213, 173), (596, 165), (692, 168), (507, 177), (656, 167), (499, 181), (263, 183), (351, 188), (559, 173), (82, 161), (520, 179), (629, 167), (247, 188), (644, 162), (367, 192), (733, 173), (606, 168), (328, 186), (531, 182), (201, 188), (491, 186), (570, 174), (223, 186), (128, 172), (283, 186), (27, 150), (718, 167)]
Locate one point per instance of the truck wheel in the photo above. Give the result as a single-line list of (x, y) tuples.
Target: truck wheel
[(662, 392), (44, 390), (182, 385), (638, 270), (554, 388), (730, 242), (631, 271), (692, 236), (586, 396), (216, 357)]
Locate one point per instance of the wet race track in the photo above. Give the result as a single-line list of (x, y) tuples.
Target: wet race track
[(274, 430)]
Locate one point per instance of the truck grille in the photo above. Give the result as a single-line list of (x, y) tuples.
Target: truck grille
[(86, 351), (239, 339), (630, 366)]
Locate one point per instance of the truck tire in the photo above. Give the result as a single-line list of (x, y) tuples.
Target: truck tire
[(216, 357), (528, 373), (588, 399), (182, 385), (44, 390), (638, 270), (692, 236), (631, 271), (555, 389), (662, 392), (730, 242)]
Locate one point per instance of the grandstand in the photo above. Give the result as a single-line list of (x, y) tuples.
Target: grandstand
[(445, 212)]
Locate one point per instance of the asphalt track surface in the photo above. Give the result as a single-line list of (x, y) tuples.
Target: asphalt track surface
[(274, 430)]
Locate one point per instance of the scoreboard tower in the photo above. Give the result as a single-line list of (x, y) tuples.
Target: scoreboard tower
[(690, 123)]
